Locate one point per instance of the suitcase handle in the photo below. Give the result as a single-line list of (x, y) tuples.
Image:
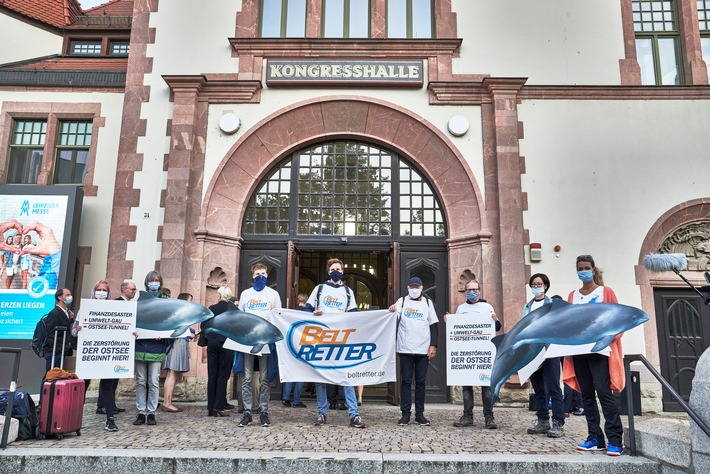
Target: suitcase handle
[(64, 330), (11, 396)]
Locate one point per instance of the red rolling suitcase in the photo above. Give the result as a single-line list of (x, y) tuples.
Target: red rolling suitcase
[(62, 403)]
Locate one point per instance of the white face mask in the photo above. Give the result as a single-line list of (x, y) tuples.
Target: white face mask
[(537, 291), (100, 294), (415, 293)]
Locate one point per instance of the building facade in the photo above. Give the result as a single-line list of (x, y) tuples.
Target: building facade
[(439, 138)]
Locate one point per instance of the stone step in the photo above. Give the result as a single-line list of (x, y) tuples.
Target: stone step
[(665, 439)]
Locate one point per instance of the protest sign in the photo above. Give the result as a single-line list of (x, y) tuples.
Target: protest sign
[(469, 352)]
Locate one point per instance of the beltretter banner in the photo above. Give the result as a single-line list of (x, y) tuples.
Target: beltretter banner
[(350, 349)]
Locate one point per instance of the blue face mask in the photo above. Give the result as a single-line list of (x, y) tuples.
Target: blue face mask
[(471, 295), (68, 300), (259, 282), (153, 285), (336, 276), (586, 275)]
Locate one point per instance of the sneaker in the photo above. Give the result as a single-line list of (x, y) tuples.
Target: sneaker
[(404, 421), (320, 420), (578, 412), (590, 445), (557, 431), (228, 406), (463, 421), (419, 418), (356, 422), (299, 405), (111, 425), (245, 420), (151, 420), (341, 406), (264, 419), (614, 450), (491, 423), (540, 427), (100, 411), (286, 403), (140, 419), (118, 410)]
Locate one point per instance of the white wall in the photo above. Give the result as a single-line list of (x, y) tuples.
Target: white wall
[(22, 41), (549, 42), (599, 174)]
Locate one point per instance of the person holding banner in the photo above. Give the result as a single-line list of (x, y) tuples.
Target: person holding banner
[(258, 300), (177, 362), (417, 340), (219, 361), (590, 373), (476, 305), (334, 296), (546, 379), (295, 387)]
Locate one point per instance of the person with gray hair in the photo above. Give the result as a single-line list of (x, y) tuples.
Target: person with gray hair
[(219, 361)]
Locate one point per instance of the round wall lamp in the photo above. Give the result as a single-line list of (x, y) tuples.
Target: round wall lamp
[(458, 125), (229, 123)]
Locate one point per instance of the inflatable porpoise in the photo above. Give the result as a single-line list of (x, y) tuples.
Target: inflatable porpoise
[(509, 363), (167, 314), (244, 328)]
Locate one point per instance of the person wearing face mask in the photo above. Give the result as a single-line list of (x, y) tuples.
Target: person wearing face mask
[(476, 305), (417, 340), (546, 379), (60, 316), (334, 296), (258, 300), (590, 373), (150, 354)]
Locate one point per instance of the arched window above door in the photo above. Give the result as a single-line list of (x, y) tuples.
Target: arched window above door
[(345, 188)]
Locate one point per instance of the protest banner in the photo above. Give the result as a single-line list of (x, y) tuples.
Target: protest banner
[(347, 349), (469, 350), (106, 347)]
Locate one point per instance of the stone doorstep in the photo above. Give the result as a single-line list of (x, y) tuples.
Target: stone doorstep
[(666, 439), (14, 428), (29, 461)]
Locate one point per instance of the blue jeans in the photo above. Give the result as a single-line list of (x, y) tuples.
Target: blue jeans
[(546, 383), (147, 386), (322, 399), (296, 387), (412, 366)]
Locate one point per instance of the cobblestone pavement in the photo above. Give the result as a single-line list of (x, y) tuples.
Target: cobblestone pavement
[(292, 430)]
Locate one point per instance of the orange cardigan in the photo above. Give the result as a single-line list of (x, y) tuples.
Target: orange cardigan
[(616, 358)]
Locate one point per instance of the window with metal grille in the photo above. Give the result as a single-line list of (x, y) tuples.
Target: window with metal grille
[(657, 42), (348, 189), (72, 152), (26, 151), (84, 47), (119, 48)]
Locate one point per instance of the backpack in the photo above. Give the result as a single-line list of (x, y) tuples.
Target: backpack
[(23, 408), (39, 337)]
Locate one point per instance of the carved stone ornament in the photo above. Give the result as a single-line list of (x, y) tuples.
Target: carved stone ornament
[(693, 240), (217, 278), (464, 278)]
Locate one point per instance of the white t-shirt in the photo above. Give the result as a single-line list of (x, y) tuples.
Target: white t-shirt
[(596, 296), (259, 302), (332, 299), (415, 317), (475, 308)]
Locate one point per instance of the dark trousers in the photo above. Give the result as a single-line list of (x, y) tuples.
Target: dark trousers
[(592, 372), (336, 394), (49, 364), (486, 397), (412, 366), (546, 383), (573, 399), (107, 395), (100, 400), (219, 366)]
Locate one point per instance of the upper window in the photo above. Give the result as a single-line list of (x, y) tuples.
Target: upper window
[(704, 23), (410, 18), (26, 151), (85, 47), (657, 42), (72, 152), (347, 189), (283, 19), (118, 48), (346, 18)]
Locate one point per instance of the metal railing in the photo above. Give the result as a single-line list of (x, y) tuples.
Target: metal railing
[(629, 399), (43, 77)]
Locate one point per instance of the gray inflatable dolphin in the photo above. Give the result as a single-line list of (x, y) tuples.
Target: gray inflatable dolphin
[(577, 324), (165, 314), (244, 328), (510, 362)]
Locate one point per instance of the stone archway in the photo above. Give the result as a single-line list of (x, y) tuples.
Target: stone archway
[(386, 124)]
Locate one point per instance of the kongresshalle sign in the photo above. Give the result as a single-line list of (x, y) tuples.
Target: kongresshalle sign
[(282, 72)]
